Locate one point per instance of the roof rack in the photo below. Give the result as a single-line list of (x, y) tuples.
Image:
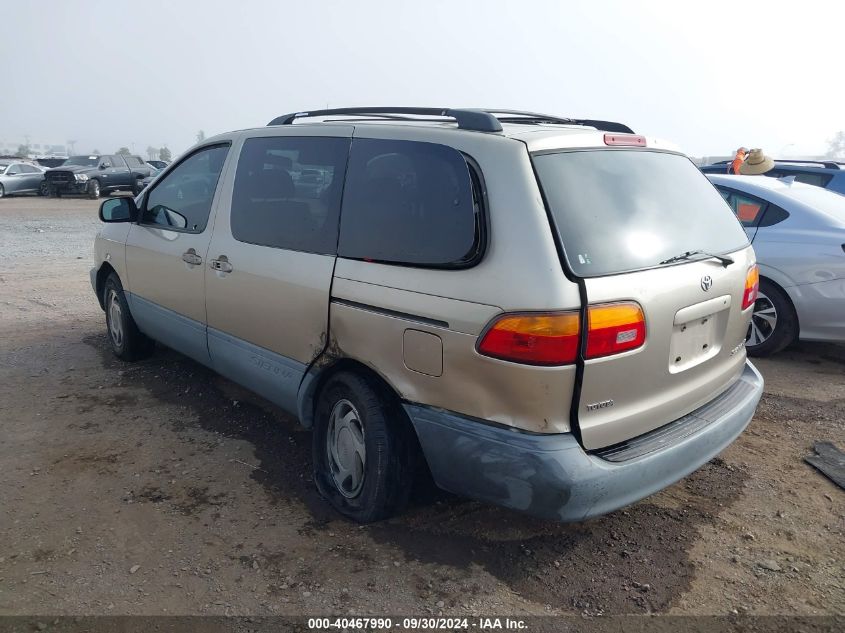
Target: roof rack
[(467, 119), (480, 120), (519, 116), (827, 164)]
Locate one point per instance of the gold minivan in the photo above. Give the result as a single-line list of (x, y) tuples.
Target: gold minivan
[(551, 312)]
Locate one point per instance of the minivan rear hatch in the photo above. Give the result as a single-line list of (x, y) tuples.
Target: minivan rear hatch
[(639, 229)]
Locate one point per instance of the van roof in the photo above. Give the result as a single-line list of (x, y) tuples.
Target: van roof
[(538, 131)]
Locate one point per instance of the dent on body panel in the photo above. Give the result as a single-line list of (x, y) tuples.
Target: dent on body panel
[(532, 398)]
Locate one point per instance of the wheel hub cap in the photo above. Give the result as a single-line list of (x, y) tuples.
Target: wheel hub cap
[(115, 319), (346, 449)]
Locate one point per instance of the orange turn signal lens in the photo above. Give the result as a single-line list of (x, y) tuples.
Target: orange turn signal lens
[(533, 339), (752, 287), (614, 328)]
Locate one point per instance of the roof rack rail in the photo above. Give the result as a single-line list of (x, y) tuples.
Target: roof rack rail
[(827, 164), (467, 119), (519, 116)]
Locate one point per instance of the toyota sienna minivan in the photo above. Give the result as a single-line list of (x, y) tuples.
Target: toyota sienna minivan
[(547, 313)]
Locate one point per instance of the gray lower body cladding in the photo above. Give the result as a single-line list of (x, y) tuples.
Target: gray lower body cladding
[(551, 476)]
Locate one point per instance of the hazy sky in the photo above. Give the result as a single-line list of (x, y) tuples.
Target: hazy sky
[(707, 75)]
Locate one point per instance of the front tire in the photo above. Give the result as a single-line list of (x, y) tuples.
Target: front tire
[(127, 341), (44, 190), (774, 324), (2, 191), (363, 449), (93, 189)]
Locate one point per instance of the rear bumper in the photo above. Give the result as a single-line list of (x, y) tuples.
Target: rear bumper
[(551, 476)]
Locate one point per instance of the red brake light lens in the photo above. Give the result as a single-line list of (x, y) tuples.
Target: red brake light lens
[(625, 139), (533, 339), (614, 328), (752, 287)]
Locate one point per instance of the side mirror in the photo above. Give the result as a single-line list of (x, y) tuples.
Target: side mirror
[(121, 209), (102, 166)]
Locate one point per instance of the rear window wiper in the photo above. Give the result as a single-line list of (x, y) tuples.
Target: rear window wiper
[(724, 260)]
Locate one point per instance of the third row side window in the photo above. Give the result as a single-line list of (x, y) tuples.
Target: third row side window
[(409, 202)]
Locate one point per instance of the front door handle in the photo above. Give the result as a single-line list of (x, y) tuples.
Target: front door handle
[(190, 257), (221, 264)]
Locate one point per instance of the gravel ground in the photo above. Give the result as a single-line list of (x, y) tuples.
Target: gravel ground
[(160, 488)]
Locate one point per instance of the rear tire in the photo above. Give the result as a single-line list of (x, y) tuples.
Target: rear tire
[(363, 448), (93, 189), (2, 191), (774, 324), (127, 341)]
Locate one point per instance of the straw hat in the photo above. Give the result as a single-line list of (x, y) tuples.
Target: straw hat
[(756, 163)]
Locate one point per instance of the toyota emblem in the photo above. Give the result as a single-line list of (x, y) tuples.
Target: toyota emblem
[(706, 283)]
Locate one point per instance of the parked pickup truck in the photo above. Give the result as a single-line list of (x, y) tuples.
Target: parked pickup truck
[(95, 175)]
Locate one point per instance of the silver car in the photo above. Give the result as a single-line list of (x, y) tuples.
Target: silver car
[(18, 176), (798, 232)]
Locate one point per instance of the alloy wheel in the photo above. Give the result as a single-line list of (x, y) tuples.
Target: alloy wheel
[(764, 320)]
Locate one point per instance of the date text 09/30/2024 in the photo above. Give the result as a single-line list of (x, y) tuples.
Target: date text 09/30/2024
[(410, 623)]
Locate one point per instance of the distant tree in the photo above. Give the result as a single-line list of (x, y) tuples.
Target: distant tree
[(200, 136), (124, 151), (164, 153), (23, 151), (836, 145), (152, 152)]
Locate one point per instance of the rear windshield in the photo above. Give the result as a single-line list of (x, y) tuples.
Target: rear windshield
[(832, 204), (624, 210)]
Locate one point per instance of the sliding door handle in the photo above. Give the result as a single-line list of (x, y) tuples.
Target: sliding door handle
[(221, 264)]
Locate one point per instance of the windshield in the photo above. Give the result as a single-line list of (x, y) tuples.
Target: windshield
[(625, 210), (85, 161)]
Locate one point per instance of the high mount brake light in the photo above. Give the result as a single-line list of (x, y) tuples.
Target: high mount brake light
[(614, 328), (533, 339), (634, 140), (752, 287), (553, 338)]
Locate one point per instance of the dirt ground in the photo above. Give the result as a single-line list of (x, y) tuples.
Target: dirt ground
[(159, 488)]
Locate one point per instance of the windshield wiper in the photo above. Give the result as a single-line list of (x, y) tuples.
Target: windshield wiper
[(725, 261)]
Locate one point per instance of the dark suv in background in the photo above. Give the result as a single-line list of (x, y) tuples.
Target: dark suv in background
[(95, 175), (827, 174)]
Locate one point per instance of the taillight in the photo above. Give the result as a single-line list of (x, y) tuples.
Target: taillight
[(533, 339), (614, 328), (625, 139), (752, 287)]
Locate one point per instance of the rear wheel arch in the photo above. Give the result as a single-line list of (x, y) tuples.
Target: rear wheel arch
[(317, 377)]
